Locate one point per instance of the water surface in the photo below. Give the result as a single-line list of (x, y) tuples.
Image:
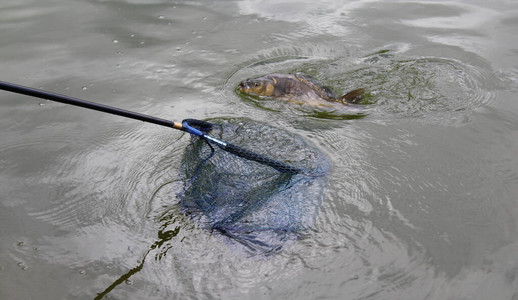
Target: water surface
[(421, 201)]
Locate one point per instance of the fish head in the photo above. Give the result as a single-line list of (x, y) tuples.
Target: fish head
[(260, 86)]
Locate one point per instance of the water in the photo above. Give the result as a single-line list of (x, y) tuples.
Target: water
[(421, 201)]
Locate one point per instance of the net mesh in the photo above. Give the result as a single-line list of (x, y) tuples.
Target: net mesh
[(251, 204)]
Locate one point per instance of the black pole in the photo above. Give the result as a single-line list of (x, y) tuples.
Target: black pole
[(19, 89), (279, 166)]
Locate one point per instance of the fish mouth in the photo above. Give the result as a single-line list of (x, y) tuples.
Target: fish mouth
[(244, 85)]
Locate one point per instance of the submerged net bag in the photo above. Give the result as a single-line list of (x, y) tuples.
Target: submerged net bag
[(249, 203)]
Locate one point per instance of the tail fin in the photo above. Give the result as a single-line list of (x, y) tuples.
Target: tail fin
[(353, 96)]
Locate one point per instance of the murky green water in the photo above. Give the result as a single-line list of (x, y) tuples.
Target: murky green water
[(422, 200)]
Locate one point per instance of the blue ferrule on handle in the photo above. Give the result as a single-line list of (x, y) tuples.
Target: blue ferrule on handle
[(197, 132), (191, 130)]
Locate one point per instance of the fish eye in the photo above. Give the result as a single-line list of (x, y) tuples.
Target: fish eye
[(257, 84)]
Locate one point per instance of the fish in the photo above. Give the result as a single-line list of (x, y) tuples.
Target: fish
[(296, 88)]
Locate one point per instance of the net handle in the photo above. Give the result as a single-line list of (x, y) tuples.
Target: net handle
[(24, 90)]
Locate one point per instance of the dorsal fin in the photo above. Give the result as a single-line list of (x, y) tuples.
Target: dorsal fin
[(322, 91), (353, 96)]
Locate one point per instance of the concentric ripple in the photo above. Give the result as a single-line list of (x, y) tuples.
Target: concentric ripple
[(435, 90)]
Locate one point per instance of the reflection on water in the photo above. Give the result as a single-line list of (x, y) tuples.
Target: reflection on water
[(421, 197)]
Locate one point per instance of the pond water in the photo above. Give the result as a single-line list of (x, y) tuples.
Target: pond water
[(422, 193)]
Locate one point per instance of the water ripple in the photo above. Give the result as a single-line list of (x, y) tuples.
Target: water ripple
[(430, 89), (435, 90)]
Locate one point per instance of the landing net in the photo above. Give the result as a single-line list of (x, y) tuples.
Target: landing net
[(249, 203)]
